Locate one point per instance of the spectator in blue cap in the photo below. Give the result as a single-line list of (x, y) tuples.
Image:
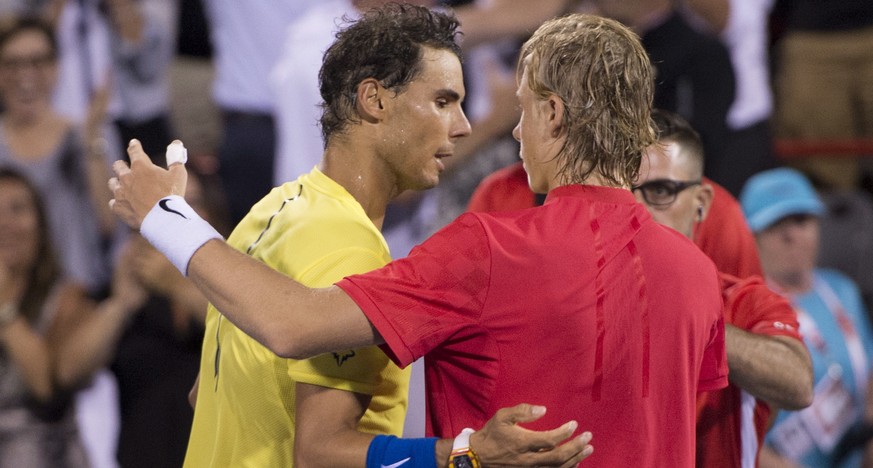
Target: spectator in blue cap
[(783, 210)]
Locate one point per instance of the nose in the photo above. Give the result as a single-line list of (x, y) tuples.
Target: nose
[(461, 126), (516, 132)]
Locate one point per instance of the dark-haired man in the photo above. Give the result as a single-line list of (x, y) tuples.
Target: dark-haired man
[(390, 78)]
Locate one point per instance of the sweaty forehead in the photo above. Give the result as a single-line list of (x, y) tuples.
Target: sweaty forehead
[(441, 68)]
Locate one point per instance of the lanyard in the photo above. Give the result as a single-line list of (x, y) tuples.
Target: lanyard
[(855, 348)]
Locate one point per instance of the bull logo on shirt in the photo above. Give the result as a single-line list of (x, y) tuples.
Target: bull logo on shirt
[(341, 358)]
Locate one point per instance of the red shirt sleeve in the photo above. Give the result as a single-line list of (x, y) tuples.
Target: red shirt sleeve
[(434, 294), (750, 305), (714, 368)]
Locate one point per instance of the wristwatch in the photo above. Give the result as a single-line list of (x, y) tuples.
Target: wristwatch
[(462, 455), (8, 313)]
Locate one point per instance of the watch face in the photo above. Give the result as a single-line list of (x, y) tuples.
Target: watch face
[(462, 461)]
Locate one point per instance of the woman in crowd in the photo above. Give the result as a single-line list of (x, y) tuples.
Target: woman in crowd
[(44, 357), (49, 150)]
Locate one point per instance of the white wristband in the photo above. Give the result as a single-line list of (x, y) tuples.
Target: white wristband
[(176, 230), (462, 441)]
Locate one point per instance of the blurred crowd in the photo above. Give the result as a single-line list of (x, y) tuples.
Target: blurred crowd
[(99, 334)]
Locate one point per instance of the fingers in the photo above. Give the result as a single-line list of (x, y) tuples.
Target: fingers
[(548, 440), (568, 454), (120, 168), (179, 172), (136, 153), (573, 462), (521, 413)]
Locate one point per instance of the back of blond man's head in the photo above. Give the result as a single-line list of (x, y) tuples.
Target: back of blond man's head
[(600, 71)]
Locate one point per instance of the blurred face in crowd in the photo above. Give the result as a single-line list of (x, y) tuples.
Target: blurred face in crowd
[(19, 226), (28, 72), (670, 187), (788, 250)]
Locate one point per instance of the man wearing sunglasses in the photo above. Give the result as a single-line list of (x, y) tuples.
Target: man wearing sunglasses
[(769, 366)]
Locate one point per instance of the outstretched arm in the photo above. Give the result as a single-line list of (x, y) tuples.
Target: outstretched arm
[(716, 13), (326, 435), (286, 317), (295, 321), (484, 21)]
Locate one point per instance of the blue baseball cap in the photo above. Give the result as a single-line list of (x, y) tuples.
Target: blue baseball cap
[(772, 195)]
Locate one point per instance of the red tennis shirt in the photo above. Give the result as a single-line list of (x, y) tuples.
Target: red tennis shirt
[(584, 305), (726, 238), (732, 423)]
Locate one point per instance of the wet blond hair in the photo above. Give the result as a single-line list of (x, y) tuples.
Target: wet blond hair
[(600, 71)]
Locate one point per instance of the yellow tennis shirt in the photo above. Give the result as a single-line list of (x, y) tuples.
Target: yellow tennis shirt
[(315, 232)]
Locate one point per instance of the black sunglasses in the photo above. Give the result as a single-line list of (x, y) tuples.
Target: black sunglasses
[(663, 192)]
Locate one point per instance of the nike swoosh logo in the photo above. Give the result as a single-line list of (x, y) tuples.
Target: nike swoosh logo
[(163, 205), (395, 465)]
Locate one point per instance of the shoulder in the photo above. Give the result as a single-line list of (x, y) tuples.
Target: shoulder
[(671, 245), (470, 227), (751, 298), (732, 284)]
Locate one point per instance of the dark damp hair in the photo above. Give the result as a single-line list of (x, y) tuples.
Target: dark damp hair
[(671, 127), (46, 270), (385, 44)]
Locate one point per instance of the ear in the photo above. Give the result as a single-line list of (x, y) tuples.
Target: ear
[(554, 115), (703, 200), (368, 100)]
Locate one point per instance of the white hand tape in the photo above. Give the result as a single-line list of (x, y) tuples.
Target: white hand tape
[(176, 153)]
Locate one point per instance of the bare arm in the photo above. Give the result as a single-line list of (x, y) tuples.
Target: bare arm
[(714, 12), (157, 275), (776, 369), (325, 431), (288, 318), (296, 321), (96, 148), (30, 354), (496, 19), (770, 459), (90, 342), (192, 394), (127, 19), (326, 435)]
